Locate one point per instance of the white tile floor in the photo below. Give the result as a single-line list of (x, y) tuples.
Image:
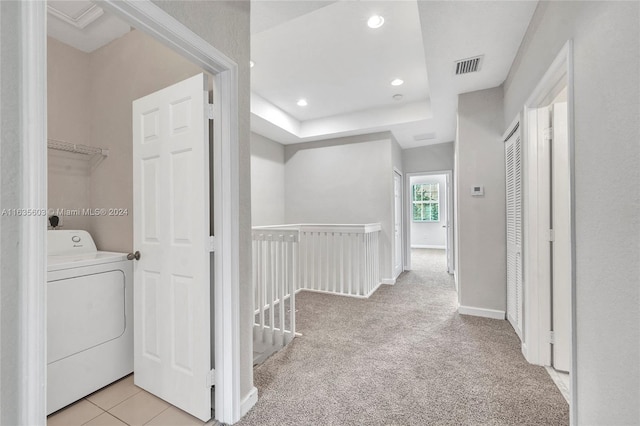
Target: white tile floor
[(122, 403)]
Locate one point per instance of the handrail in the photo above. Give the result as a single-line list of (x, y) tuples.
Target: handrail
[(323, 227)]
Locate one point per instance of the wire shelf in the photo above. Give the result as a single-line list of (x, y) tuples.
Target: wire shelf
[(95, 154)]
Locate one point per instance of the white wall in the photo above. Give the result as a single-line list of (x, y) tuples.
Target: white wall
[(68, 119), (116, 82), (396, 155), (606, 39), (430, 158), (429, 234), (481, 267), (267, 181), (347, 180)]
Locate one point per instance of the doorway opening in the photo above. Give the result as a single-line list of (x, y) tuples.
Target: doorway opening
[(170, 32), (549, 227), (429, 202)]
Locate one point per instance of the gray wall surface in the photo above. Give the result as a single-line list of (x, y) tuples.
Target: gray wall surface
[(347, 180), (606, 40), (481, 221), (10, 184), (267, 181), (396, 154), (430, 158)]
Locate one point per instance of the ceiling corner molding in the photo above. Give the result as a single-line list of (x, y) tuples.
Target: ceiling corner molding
[(80, 21)]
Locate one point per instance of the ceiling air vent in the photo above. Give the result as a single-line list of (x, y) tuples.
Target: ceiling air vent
[(465, 66), (424, 137)]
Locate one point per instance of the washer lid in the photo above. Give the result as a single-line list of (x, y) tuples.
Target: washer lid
[(59, 262), (65, 242)]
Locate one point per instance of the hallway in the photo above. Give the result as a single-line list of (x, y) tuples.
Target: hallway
[(403, 357)]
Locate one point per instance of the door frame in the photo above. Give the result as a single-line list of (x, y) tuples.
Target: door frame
[(151, 19), (395, 273), (536, 346), (449, 211)]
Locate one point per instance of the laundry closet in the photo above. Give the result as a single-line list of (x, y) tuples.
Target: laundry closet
[(94, 74)]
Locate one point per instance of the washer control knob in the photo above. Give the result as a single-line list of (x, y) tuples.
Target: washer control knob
[(75, 239)]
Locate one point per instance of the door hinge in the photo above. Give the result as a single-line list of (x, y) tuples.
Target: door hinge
[(548, 133), (552, 337), (211, 378), (212, 244), (211, 111), (552, 235)]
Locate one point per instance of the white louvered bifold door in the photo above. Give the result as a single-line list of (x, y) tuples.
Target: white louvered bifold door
[(513, 159)]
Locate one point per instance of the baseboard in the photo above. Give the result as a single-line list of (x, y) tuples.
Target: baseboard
[(373, 291), (428, 246), (249, 401), (357, 296), (389, 281), (481, 312), (525, 352)]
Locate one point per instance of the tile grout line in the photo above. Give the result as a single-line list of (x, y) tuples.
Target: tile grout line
[(169, 406), (128, 424), (100, 408)]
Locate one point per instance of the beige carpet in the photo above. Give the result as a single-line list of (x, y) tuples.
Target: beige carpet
[(402, 357)]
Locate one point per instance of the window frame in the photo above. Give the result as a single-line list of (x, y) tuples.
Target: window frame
[(431, 202)]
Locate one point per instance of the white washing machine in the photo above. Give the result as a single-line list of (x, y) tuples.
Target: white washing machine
[(89, 317)]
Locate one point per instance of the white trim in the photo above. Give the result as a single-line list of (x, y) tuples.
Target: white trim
[(537, 291), (149, 18), (365, 228), (388, 281), (402, 249), (555, 376), (481, 312), (248, 401), (356, 296), (33, 238), (428, 246), (511, 128), (449, 204), (87, 17)]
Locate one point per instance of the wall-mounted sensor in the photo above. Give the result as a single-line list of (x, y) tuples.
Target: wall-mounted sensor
[(477, 190)]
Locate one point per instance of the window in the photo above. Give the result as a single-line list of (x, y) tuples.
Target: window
[(426, 204)]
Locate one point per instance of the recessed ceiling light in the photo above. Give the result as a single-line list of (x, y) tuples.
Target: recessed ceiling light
[(302, 102), (375, 21), (397, 97), (397, 82), (251, 64)]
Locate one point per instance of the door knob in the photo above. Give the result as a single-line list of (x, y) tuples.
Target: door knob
[(135, 256)]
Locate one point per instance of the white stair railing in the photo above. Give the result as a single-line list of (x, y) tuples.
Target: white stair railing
[(335, 259), (275, 258), (340, 259)]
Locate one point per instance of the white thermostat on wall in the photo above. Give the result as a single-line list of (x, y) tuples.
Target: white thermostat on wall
[(477, 190)]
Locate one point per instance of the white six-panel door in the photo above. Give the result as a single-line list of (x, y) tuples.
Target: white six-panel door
[(172, 331)]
